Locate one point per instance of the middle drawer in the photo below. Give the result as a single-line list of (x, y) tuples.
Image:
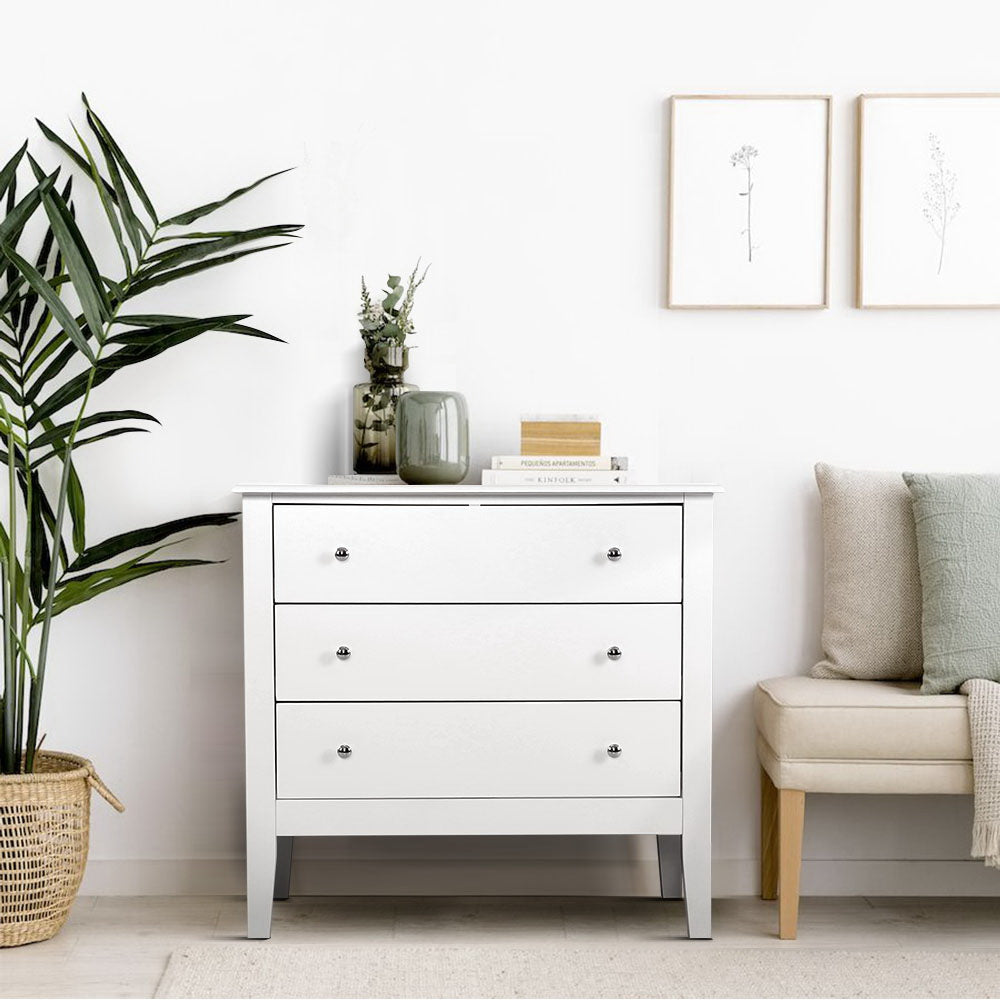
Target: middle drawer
[(504, 652)]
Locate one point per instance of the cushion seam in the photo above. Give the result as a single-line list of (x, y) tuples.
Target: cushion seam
[(934, 761), (918, 707)]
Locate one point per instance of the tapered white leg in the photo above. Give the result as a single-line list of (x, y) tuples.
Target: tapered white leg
[(261, 857), (697, 860), (283, 868)]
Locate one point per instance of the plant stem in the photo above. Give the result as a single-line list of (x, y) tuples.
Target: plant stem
[(19, 699), (364, 431), (10, 695), (12, 731), (26, 582), (749, 233)]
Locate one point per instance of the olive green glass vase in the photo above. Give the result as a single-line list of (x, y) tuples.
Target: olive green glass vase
[(432, 438)]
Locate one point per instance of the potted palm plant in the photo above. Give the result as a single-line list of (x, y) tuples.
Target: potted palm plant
[(67, 325)]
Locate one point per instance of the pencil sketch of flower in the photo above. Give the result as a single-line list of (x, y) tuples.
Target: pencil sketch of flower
[(940, 207), (744, 157)]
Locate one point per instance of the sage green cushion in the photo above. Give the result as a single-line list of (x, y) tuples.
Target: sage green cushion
[(958, 551)]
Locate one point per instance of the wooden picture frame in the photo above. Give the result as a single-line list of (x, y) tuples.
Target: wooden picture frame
[(922, 165), (703, 270)]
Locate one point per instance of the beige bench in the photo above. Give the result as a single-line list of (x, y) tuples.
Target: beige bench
[(867, 737)]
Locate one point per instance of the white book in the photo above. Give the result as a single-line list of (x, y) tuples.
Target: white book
[(554, 477), (568, 462), (361, 479)]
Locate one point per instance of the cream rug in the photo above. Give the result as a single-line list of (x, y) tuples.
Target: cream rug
[(691, 969)]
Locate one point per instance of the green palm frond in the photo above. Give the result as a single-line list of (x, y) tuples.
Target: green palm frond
[(55, 350)]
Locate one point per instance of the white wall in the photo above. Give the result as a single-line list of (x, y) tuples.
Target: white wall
[(520, 147)]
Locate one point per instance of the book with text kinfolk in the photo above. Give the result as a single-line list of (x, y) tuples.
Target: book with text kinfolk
[(554, 477), (523, 463)]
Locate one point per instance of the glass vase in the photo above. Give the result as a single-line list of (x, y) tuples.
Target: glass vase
[(375, 425), (433, 443)]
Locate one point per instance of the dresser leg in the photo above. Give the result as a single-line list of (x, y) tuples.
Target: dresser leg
[(697, 861), (261, 857), (283, 868), (668, 853)]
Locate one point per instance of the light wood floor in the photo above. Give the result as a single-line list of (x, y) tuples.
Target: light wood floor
[(117, 946)]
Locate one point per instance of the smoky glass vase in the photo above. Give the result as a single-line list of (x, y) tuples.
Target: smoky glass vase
[(375, 425), (432, 444)]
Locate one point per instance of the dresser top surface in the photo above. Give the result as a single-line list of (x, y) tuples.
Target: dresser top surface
[(635, 491)]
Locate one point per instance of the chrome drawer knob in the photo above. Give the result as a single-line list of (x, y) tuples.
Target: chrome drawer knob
[(614, 750), (342, 554), (614, 653), (344, 750), (344, 652), (614, 553)]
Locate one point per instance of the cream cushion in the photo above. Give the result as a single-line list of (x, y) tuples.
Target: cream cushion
[(824, 735), (871, 579)]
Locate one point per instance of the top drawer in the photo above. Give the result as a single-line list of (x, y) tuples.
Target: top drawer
[(425, 554)]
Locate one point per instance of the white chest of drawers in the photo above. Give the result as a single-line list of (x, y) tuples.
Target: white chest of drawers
[(477, 661)]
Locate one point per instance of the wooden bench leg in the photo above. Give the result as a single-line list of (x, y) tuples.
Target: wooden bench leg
[(791, 817), (768, 837)]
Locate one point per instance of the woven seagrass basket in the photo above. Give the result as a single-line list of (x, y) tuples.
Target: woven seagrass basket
[(44, 835)]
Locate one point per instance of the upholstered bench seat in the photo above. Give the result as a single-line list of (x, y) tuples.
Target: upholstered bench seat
[(875, 737), (851, 736)]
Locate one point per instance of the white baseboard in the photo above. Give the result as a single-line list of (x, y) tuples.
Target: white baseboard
[(520, 877), (858, 877)]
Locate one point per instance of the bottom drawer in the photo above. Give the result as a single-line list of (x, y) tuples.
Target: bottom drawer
[(478, 749)]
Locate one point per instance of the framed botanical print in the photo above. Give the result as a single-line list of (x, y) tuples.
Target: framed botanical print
[(928, 201), (749, 202)]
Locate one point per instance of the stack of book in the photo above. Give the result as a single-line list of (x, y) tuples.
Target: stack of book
[(556, 470), (558, 450)]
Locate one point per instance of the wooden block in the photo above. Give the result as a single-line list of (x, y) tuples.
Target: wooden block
[(560, 437)]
